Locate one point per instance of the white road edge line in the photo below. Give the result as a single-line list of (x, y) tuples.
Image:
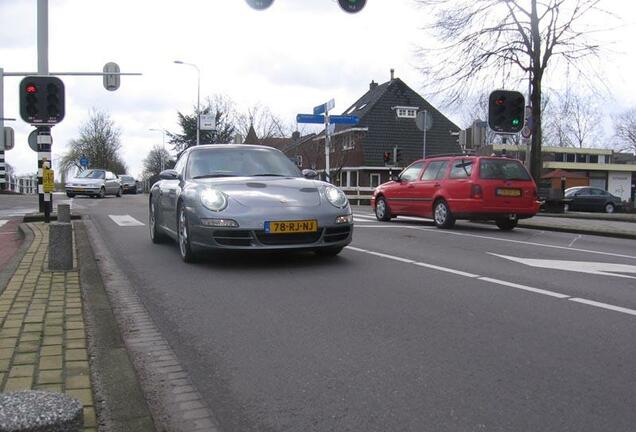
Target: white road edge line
[(574, 241), (604, 306), (500, 282), (525, 288)]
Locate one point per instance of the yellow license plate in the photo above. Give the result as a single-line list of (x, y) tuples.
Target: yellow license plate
[(509, 192), (290, 227)]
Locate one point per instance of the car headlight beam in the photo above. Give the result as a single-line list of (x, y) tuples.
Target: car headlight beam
[(336, 197), (213, 199)]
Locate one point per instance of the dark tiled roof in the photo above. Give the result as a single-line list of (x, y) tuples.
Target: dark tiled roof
[(385, 130)]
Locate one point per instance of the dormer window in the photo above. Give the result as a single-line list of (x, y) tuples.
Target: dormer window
[(406, 111)]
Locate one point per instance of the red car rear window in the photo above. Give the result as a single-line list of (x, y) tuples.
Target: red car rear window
[(502, 169)]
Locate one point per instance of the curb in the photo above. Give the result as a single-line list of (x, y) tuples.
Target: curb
[(175, 403), (619, 235), (122, 405), (13, 264), (599, 217)]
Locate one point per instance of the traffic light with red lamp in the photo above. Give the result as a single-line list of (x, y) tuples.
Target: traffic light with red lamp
[(506, 111), (387, 157), (42, 100)]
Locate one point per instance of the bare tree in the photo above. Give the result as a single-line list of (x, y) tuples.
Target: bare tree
[(157, 158), (265, 123), (494, 43), (99, 142), (573, 120), (625, 130)]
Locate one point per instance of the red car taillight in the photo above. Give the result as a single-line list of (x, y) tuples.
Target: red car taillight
[(475, 191)]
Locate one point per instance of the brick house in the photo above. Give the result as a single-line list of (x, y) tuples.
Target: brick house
[(387, 124)]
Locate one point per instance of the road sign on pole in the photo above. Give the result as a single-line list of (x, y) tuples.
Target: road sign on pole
[(83, 162), (208, 121), (343, 119), (327, 106), (310, 118)]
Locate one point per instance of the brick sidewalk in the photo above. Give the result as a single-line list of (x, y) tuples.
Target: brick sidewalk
[(42, 336)]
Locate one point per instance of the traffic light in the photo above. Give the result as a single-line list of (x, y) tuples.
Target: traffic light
[(397, 154), (42, 100), (387, 157), (505, 111), (352, 6), (260, 4)]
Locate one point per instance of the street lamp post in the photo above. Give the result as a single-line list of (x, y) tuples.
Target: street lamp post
[(198, 93), (163, 144)]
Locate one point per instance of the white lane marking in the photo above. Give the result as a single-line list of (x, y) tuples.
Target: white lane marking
[(499, 282), (604, 306), (365, 216), (2, 222), (595, 268), (448, 232), (392, 226), (446, 269), (357, 219), (525, 287), (382, 255), (125, 220), (574, 241)]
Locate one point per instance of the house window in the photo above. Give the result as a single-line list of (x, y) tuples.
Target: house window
[(559, 157), (593, 158), (374, 180), (570, 157), (406, 112), (352, 178), (581, 158), (601, 159), (348, 143)]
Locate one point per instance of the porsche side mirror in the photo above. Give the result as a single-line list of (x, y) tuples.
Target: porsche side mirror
[(169, 174), (310, 174)]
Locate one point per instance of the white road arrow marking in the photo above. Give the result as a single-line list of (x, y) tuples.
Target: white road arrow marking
[(596, 268), (125, 220)]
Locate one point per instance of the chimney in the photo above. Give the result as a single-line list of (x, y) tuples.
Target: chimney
[(372, 85), (392, 74)]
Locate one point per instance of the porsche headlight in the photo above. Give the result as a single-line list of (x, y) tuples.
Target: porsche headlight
[(336, 197), (213, 199)]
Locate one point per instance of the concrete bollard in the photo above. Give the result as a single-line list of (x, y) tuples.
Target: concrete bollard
[(64, 213), (34, 411), (60, 246)]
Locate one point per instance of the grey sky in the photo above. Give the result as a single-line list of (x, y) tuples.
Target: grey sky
[(294, 55)]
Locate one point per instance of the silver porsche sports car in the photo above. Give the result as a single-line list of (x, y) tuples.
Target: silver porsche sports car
[(246, 197)]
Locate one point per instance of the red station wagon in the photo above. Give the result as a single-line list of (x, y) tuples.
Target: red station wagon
[(460, 187)]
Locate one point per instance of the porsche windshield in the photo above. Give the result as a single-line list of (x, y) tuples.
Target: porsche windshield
[(91, 174), (248, 162)]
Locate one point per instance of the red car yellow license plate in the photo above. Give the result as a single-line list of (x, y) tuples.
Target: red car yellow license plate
[(508, 192), (288, 227)]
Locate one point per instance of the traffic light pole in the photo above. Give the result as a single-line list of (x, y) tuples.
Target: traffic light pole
[(45, 199)]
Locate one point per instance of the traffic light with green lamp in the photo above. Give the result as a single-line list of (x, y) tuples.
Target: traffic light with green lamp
[(42, 100), (506, 111)]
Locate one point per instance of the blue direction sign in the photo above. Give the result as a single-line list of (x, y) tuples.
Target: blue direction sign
[(343, 119), (320, 109), (83, 162), (310, 118)]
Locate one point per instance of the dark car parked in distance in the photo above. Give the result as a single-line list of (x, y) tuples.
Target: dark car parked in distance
[(129, 184), (584, 198)]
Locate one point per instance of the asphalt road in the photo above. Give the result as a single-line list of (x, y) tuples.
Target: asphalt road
[(412, 328)]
